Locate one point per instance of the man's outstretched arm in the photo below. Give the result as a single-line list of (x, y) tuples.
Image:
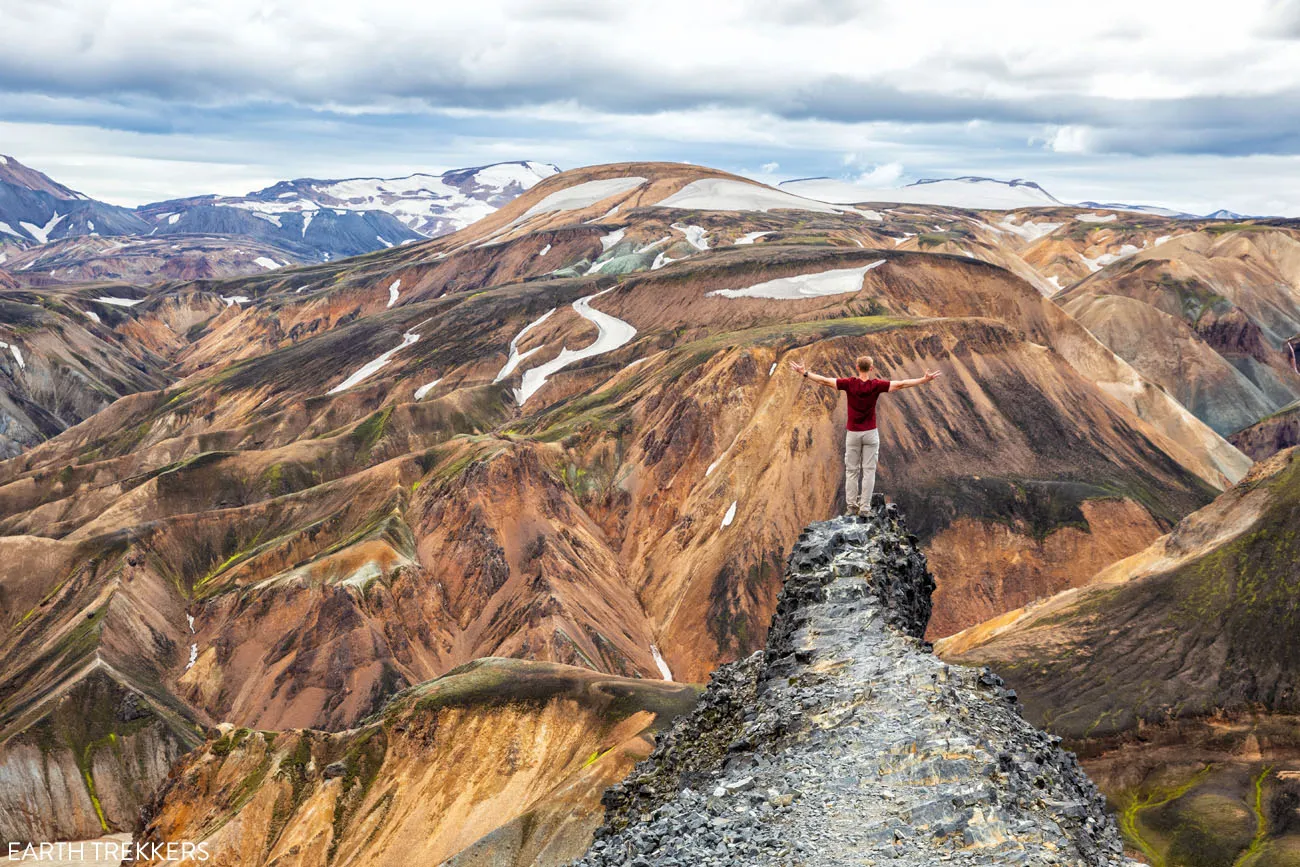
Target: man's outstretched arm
[(814, 377), (930, 376)]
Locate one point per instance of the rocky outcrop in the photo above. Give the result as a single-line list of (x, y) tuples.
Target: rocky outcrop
[(88, 763), (1271, 435), (847, 741)]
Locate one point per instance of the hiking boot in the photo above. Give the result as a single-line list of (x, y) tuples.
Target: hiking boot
[(851, 511)]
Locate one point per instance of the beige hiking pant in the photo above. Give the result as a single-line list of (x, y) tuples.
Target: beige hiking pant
[(861, 452)]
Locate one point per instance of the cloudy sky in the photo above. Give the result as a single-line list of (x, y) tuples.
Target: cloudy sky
[(1182, 103)]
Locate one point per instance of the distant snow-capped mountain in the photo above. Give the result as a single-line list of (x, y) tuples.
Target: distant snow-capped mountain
[(311, 219), (428, 205), (1225, 214), (976, 193), (964, 192), (431, 205), (1154, 210), (34, 209), (344, 217)]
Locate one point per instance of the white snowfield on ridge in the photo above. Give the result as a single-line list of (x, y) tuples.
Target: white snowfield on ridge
[(969, 192), (974, 193), (705, 194), (836, 281)]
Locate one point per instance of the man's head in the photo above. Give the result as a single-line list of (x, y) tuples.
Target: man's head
[(865, 363)]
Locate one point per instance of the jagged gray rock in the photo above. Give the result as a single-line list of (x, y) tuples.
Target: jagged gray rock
[(846, 742)]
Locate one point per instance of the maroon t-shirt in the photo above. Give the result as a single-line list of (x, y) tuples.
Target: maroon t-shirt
[(862, 394)]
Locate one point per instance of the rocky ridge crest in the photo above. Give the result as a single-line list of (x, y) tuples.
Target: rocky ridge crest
[(846, 741)]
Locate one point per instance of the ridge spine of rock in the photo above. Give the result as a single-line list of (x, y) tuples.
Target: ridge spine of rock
[(846, 740)]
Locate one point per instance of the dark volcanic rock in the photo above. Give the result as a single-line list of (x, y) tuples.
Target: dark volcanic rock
[(847, 742)]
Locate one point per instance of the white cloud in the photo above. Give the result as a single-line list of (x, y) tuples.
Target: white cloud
[(771, 168), (1069, 140), (886, 175)]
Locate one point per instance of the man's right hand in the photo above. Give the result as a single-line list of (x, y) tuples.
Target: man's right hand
[(799, 368)]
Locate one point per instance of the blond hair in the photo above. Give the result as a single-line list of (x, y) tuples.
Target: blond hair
[(865, 363)]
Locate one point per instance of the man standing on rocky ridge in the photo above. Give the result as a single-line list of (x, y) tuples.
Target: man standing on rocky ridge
[(862, 443)]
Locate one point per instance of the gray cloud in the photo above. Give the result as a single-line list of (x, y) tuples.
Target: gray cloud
[(515, 55), (1010, 86), (1281, 20)]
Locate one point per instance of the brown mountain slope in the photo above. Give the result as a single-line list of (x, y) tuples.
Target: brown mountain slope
[(505, 756), (1173, 673), (59, 365), (143, 260), (355, 486), (1206, 315), (1203, 619)]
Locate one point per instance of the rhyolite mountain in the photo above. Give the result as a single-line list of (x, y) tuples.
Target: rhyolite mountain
[(502, 762), (1207, 314), (565, 434), (1173, 674)]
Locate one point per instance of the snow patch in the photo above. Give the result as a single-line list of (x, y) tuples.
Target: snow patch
[(648, 247), (695, 235), (383, 241), (544, 251), (42, 233), (372, 366), (515, 356), (118, 302), (268, 264), (771, 370), (723, 194), (393, 293), (9, 230), (194, 656), (426, 388), (661, 260), (839, 281), (18, 354), (582, 195), (611, 333), (232, 300), (730, 516), (660, 664), (611, 239), (92, 315), (750, 237), (1028, 230), (1095, 265), (1096, 218)]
